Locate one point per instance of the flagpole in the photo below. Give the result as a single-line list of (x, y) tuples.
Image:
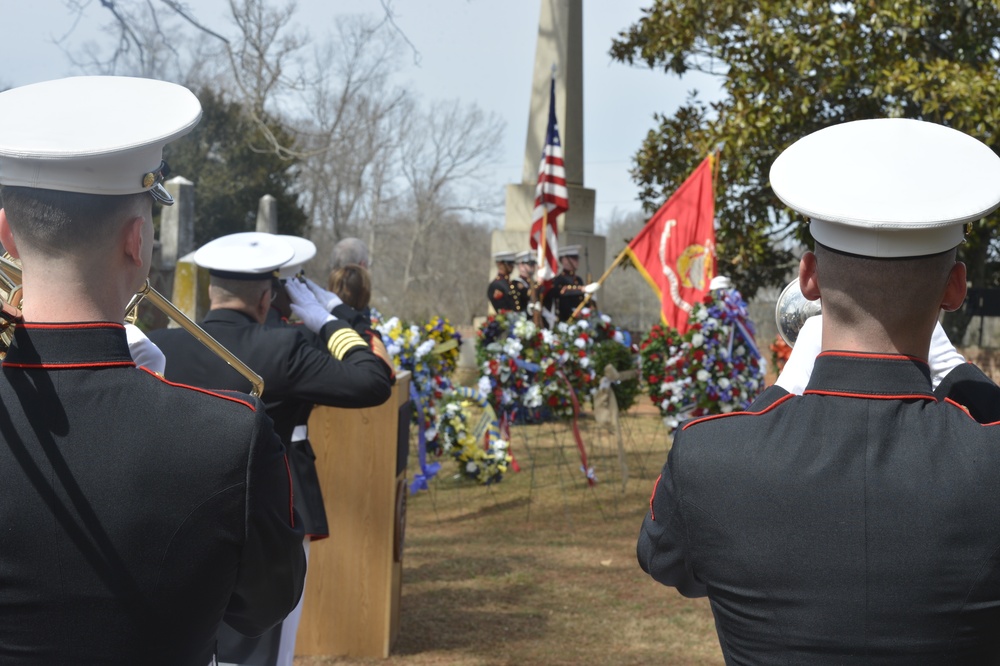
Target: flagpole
[(544, 262), (586, 299)]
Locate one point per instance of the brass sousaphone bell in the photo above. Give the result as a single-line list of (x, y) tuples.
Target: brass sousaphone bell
[(10, 316), (792, 310)]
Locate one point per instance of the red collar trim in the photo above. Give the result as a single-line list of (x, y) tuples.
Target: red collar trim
[(70, 366), (966, 411), (774, 404), (872, 396), (201, 390), (84, 324)]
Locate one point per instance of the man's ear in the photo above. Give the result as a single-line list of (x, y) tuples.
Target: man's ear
[(7, 235), (133, 240), (954, 291), (808, 280)]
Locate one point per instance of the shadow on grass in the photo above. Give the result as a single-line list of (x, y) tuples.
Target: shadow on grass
[(467, 619)]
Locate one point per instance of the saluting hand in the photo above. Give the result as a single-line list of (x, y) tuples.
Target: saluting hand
[(306, 307), (327, 299)]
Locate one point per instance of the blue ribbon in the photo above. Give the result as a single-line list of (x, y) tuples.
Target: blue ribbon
[(427, 471), (525, 365)]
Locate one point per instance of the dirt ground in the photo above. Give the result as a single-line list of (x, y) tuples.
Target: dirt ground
[(540, 568)]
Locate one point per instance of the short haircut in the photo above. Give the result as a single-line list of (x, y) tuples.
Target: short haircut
[(353, 284), (349, 251), (53, 220), (228, 290), (889, 293)]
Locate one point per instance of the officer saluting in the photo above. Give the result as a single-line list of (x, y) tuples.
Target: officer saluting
[(499, 291), (326, 362), (136, 514)]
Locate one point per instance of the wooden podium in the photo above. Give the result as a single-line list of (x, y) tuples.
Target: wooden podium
[(353, 581)]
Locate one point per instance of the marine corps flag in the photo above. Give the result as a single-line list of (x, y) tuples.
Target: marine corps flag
[(675, 251)]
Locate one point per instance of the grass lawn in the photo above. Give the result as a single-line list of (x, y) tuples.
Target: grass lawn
[(540, 568)]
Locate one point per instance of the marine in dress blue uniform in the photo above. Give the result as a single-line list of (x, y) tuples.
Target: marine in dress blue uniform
[(567, 289), (326, 361), (857, 522), (137, 514), (499, 292)]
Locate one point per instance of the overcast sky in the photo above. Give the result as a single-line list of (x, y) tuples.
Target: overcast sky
[(478, 51)]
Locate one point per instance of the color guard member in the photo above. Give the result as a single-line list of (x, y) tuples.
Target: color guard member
[(499, 291), (567, 290), (521, 283), (136, 514)]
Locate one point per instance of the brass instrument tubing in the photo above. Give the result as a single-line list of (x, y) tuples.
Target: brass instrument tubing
[(169, 309)]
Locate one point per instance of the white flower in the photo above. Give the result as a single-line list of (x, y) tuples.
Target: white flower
[(471, 467), (431, 433), (580, 343), (582, 324), (605, 318), (485, 386), (584, 362), (512, 347), (670, 421), (697, 340), (424, 349), (618, 337), (740, 351), (499, 446), (724, 383), (702, 375), (726, 408), (533, 397), (665, 387)]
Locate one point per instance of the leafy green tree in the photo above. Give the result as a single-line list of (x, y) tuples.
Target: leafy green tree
[(790, 67), (226, 158)]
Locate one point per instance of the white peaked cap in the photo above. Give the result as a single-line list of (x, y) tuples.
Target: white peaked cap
[(504, 256), (304, 249), (569, 251), (890, 187), (250, 255), (92, 134)]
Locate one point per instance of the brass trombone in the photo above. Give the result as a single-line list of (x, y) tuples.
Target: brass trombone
[(10, 301)]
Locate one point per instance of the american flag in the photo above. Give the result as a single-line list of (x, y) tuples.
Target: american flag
[(551, 197)]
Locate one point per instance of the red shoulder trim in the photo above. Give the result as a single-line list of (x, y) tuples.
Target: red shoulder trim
[(201, 390), (889, 357), (872, 396), (69, 366), (652, 495), (84, 324), (966, 410), (763, 411)]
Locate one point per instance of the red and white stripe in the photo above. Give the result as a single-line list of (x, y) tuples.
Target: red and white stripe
[(551, 201)]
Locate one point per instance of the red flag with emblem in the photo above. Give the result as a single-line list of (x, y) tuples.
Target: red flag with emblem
[(675, 251)]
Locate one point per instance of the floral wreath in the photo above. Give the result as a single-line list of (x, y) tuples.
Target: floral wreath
[(713, 368), (526, 370), (460, 438)]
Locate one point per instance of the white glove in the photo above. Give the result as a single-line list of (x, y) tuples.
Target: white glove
[(143, 351), (592, 287), (327, 299), (798, 368), (305, 306), (943, 357)]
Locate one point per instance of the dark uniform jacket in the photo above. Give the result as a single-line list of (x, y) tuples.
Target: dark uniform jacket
[(858, 523), (299, 370), (565, 293), (521, 293), (500, 295), (135, 515)]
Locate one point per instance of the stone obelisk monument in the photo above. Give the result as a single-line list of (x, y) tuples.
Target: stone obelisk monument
[(560, 44)]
